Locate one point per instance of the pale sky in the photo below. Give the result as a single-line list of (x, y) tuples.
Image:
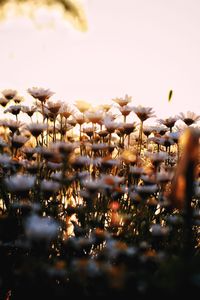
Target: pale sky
[(142, 48)]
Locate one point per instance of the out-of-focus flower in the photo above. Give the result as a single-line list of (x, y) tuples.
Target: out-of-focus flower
[(80, 161), (71, 121), (80, 119), (143, 113), (50, 154), (146, 190), (57, 176), (135, 197), (169, 122), (109, 181), (40, 93), (174, 136), (157, 158), (54, 107), (65, 148), (128, 156), (95, 117), (27, 205), (20, 184), (148, 179), (175, 219), (3, 144), (9, 94), (18, 99), (163, 176), (126, 128), (4, 101), (165, 141), (161, 129), (46, 113), (36, 128), (125, 110), (99, 146), (91, 185), (108, 162), (13, 109), (63, 128), (110, 124), (71, 10), (28, 151), (180, 127), (189, 118), (4, 159), (49, 187), (32, 167), (65, 110), (158, 230), (115, 248), (89, 131), (105, 107), (29, 110), (136, 172), (18, 141), (82, 105), (12, 125), (41, 228), (154, 139), (123, 101), (25, 133), (147, 130), (53, 166), (103, 133)]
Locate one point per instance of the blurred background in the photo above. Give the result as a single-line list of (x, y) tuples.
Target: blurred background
[(142, 48)]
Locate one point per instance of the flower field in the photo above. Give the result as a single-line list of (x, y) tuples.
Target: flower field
[(97, 201)]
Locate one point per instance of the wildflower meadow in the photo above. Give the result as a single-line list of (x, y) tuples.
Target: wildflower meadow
[(97, 201)]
